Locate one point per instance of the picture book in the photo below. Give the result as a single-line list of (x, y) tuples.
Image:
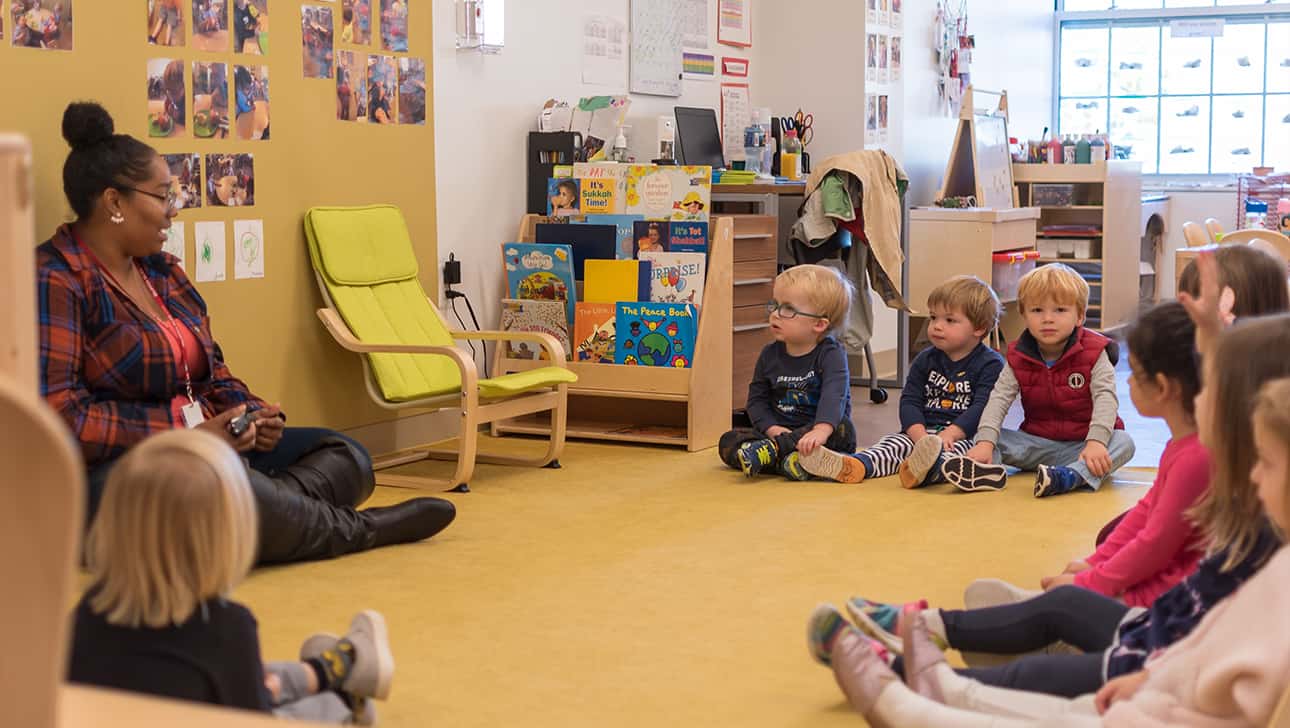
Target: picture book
[(651, 236), (546, 317), (562, 196), (598, 196), (611, 281), (676, 277), (689, 237), (668, 193), (624, 226), (587, 241), (655, 334), (593, 332), (540, 273)]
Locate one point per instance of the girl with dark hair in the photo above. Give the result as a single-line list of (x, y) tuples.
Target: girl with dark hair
[(126, 352)]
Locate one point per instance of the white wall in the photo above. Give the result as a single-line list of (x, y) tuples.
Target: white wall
[(485, 105), (1194, 205)]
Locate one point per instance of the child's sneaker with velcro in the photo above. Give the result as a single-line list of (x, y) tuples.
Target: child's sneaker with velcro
[(969, 476), (1056, 480), (757, 456)]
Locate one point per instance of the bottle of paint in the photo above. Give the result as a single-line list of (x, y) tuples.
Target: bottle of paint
[(1097, 148), (1083, 150), (1068, 150), (790, 159), (1054, 150)]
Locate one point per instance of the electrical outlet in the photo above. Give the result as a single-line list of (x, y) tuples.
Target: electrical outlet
[(452, 271)]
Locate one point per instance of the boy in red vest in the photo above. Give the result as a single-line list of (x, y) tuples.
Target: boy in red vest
[(1065, 374)]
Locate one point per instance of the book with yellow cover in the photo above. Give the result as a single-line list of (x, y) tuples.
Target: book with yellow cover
[(611, 281)]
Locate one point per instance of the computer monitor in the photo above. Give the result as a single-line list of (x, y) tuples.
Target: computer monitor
[(698, 138)]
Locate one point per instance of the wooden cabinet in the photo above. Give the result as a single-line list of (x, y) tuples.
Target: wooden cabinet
[(756, 242), (945, 242)]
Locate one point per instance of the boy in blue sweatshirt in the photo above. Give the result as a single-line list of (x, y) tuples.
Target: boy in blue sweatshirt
[(945, 393)]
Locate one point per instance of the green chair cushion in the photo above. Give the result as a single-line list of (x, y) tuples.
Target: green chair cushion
[(361, 245), (512, 384)]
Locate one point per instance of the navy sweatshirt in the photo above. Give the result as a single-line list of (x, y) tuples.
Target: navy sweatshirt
[(939, 392), (800, 391)]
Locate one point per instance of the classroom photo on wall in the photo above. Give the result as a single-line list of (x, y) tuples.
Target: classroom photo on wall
[(356, 21), (251, 86), (167, 95), (166, 22), (42, 24), (382, 90), (230, 180), (251, 27), (210, 25), (394, 25), (412, 91), (351, 86), (210, 100), (316, 37), (185, 179)]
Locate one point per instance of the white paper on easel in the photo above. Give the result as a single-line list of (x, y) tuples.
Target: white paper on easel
[(175, 244), (736, 115), (248, 249), (208, 242), (604, 51)]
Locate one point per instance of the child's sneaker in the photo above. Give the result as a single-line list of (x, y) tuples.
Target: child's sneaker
[(825, 463), (927, 452), (756, 456), (1056, 480), (791, 467), (882, 621), (968, 475), (360, 663), (824, 628)]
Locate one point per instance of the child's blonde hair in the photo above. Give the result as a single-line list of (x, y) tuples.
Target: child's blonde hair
[(971, 296), (1272, 411), (1056, 281), (177, 527), (1246, 357), (826, 288)]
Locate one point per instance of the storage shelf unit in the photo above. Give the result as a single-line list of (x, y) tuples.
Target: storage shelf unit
[(1106, 195)]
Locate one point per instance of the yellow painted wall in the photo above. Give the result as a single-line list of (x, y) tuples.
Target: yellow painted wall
[(270, 334)]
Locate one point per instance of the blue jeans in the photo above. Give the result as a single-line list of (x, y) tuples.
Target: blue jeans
[(1027, 452)]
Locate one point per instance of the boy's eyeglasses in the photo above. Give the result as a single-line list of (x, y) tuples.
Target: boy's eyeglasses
[(786, 311), (170, 198)]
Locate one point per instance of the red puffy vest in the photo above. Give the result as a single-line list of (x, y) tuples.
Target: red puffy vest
[(1057, 401)]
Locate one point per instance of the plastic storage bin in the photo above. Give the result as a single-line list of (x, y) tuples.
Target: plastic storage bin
[(1053, 195), (1083, 249), (1048, 247), (1007, 268)]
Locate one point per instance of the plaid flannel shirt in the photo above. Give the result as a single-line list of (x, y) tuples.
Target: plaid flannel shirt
[(106, 366)]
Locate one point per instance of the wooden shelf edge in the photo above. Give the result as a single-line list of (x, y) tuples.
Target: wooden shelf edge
[(607, 431)]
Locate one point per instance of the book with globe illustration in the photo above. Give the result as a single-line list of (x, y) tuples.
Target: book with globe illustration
[(540, 272), (546, 317), (676, 277), (655, 334), (593, 332)]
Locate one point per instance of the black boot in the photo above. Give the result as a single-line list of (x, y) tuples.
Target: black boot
[(412, 520), (335, 471)]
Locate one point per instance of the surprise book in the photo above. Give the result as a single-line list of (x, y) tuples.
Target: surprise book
[(539, 272), (545, 317), (655, 334), (676, 277)]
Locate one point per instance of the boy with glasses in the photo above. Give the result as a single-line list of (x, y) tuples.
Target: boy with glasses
[(800, 395)]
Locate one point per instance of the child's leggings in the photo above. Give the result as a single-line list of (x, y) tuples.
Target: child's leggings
[(884, 457), (297, 703), (843, 439)]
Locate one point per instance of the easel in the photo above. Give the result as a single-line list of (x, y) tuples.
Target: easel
[(980, 164)]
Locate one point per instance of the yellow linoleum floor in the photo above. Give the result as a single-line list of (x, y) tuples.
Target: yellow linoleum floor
[(652, 587)]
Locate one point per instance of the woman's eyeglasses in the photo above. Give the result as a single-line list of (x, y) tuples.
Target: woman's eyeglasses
[(171, 198), (786, 311)]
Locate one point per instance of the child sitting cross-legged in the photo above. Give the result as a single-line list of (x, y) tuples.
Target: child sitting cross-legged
[(945, 393), (176, 532), (800, 395), (1065, 374)]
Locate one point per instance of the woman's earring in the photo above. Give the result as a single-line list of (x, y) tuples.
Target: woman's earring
[(117, 218)]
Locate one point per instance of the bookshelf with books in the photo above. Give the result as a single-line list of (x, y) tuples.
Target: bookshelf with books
[(1090, 217), (686, 406)]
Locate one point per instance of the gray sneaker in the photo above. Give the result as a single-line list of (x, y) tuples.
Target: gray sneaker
[(373, 664)]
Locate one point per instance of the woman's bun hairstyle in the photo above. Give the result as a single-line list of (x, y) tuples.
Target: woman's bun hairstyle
[(86, 124)]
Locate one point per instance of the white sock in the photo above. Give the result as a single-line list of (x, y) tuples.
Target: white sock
[(935, 625)]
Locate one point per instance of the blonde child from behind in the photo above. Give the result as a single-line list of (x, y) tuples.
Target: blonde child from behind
[(1065, 374), (175, 534), (945, 393), (800, 395)]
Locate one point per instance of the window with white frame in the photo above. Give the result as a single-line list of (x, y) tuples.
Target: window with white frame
[(1183, 86)]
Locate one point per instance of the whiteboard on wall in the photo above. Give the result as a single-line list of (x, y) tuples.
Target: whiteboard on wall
[(657, 47)]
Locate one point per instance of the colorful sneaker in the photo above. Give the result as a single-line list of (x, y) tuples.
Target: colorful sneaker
[(825, 463), (826, 626), (882, 621), (1056, 480), (791, 467), (927, 452), (756, 456), (968, 475)]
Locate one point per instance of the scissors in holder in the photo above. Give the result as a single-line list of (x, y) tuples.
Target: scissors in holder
[(803, 123)]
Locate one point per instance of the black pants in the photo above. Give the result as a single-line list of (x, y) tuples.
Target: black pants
[(1078, 617), (842, 440), (306, 492)]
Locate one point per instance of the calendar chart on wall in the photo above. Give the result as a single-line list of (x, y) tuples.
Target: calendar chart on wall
[(657, 47)]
